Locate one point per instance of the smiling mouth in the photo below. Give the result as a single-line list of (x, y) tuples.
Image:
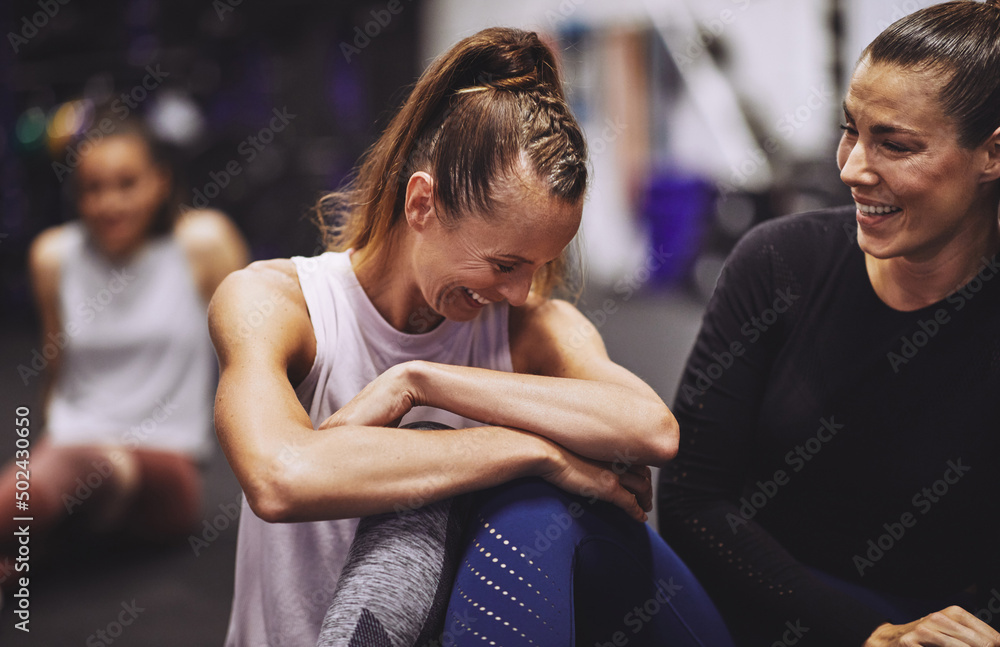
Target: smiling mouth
[(476, 297), (876, 211)]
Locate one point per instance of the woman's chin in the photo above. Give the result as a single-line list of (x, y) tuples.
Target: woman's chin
[(459, 314), (119, 248), (877, 247)]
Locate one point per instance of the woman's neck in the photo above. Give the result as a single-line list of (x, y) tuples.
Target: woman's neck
[(389, 283), (908, 284), (119, 257)]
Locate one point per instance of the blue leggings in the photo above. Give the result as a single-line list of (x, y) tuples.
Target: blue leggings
[(543, 567)]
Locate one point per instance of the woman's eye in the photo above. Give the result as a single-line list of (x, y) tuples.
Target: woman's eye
[(895, 148), (504, 269), (850, 130)]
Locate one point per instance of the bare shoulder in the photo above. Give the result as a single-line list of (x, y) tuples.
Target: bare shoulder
[(204, 229), (540, 315), (546, 333), (260, 310), (45, 259), (47, 250), (213, 245), (265, 283)]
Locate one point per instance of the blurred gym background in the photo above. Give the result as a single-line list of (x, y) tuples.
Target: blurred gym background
[(704, 117)]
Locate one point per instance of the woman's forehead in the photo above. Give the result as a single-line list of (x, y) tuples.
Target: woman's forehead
[(888, 91), (525, 226)]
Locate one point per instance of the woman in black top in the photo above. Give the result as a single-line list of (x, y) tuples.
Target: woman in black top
[(837, 482)]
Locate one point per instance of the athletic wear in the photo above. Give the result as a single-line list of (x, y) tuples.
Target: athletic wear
[(821, 427), (286, 573), (545, 567), (138, 368), (393, 590)]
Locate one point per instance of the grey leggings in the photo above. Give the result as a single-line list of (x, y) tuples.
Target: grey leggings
[(394, 588)]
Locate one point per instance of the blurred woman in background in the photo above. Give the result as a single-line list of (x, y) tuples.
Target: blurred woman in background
[(127, 399)]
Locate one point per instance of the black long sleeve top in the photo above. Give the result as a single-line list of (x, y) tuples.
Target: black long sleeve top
[(822, 428)]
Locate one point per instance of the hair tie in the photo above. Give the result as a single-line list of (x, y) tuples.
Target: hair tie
[(508, 83)]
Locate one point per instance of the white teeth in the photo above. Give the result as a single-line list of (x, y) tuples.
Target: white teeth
[(863, 208), (475, 297)]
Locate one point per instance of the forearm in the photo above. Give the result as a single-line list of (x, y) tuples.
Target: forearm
[(47, 386), (600, 420), (354, 471)]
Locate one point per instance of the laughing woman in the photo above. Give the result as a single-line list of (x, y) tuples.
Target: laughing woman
[(837, 484), (436, 297)]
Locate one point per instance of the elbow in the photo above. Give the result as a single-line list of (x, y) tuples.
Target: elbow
[(269, 493), (665, 440), (267, 502)]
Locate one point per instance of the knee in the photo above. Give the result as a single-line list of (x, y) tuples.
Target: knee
[(534, 494), (531, 512)]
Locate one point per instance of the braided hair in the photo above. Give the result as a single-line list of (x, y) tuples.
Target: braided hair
[(488, 105)]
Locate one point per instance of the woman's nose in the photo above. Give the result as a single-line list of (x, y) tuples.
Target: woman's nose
[(517, 288), (856, 171)]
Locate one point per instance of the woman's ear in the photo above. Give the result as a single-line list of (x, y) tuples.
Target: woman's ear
[(418, 206), (991, 171), (164, 182)]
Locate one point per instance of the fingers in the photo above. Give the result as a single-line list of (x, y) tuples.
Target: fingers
[(956, 622), (639, 482), (951, 627), (613, 490), (627, 502), (331, 422), (630, 490), (382, 403)]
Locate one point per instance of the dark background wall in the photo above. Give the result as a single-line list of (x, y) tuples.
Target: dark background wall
[(237, 65)]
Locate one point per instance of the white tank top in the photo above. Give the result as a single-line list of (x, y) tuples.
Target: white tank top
[(138, 368), (286, 573)]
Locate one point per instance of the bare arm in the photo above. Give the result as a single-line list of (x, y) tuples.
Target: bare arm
[(291, 472), (44, 267), (564, 387), (214, 248)]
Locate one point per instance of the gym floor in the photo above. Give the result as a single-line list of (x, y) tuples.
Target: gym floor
[(97, 595)]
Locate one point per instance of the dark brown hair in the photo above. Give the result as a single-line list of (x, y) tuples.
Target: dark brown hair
[(490, 99), (960, 41)]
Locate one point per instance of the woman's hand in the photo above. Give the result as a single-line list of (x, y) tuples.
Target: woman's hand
[(637, 479), (628, 487), (382, 403), (951, 627)]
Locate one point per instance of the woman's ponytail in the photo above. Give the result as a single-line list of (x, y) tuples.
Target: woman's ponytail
[(470, 116)]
